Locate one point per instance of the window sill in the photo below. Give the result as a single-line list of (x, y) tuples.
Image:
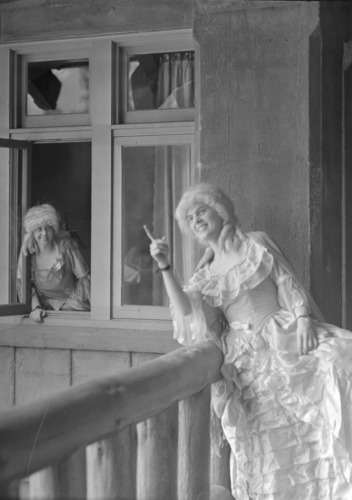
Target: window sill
[(81, 333)]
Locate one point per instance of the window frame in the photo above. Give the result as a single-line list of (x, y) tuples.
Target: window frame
[(159, 138), (22, 59), (25, 306), (103, 129), (149, 115)]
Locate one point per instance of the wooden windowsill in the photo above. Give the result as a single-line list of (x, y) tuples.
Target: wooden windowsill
[(72, 332)]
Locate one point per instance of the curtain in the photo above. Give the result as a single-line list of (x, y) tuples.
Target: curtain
[(171, 168), (176, 80)]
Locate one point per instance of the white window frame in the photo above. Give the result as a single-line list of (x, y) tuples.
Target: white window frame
[(151, 115), (22, 59), (9, 198), (157, 139), (102, 131)]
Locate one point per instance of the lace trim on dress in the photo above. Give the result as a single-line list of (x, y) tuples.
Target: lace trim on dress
[(254, 268)]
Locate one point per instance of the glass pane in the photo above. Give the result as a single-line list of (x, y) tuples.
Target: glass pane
[(161, 173), (62, 177), (57, 87), (11, 209), (161, 81)]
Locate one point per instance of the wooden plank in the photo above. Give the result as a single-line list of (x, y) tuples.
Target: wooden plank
[(41, 372), (157, 456), (220, 466), (157, 451), (111, 463), (112, 338), (194, 446), (7, 377), (96, 409)]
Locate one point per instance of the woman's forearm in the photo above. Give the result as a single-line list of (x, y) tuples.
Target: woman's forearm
[(35, 303), (177, 296)]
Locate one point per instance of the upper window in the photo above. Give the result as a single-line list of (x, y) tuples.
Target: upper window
[(161, 83), (57, 87), (52, 89)]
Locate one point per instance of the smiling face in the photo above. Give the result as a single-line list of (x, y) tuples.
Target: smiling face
[(44, 235), (204, 222)]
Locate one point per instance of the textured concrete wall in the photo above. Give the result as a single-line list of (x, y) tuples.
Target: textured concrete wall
[(253, 130)]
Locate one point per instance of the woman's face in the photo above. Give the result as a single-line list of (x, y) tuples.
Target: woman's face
[(44, 235), (204, 222)]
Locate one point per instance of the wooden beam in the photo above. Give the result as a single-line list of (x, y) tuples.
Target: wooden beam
[(41, 433)]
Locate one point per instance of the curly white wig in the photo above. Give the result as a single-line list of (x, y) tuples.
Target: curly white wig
[(38, 216), (210, 195), (41, 215)]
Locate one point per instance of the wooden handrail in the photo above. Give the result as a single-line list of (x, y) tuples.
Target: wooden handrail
[(41, 433)]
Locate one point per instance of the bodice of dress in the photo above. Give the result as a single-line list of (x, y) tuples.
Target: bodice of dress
[(56, 282), (59, 283), (253, 306)]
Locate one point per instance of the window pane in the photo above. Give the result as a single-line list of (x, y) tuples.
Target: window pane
[(153, 178), (161, 81), (11, 210), (57, 87), (61, 176)]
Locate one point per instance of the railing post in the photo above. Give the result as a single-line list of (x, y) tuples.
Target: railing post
[(10, 491), (65, 480), (111, 467), (220, 455), (72, 476), (194, 447), (157, 456), (44, 485), (220, 467)]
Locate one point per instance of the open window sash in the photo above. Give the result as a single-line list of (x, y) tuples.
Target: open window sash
[(15, 157)]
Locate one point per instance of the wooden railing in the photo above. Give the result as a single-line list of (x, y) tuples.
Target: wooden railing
[(165, 456)]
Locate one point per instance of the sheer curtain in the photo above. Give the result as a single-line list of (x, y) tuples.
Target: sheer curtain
[(175, 90), (171, 167), (176, 80)]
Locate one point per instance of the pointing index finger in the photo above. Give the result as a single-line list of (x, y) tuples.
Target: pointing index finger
[(148, 233)]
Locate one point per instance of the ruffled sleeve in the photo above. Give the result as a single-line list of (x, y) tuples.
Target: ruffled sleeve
[(204, 323), (290, 294), (80, 269), (189, 329)]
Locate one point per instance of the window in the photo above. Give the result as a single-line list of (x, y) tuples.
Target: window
[(149, 177), (110, 121), (14, 160), (52, 88), (161, 83)]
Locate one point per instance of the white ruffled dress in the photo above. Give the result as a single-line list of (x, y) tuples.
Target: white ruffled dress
[(287, 417)]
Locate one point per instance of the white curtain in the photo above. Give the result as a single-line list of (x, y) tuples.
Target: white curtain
[(176, 80)]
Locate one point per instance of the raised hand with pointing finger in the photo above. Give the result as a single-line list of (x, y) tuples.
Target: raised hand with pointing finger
[(159, 249)]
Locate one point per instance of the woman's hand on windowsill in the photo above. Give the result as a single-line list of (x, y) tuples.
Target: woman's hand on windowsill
[(37, 315)]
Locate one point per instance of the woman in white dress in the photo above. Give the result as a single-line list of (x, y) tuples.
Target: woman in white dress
[(285, 401)]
